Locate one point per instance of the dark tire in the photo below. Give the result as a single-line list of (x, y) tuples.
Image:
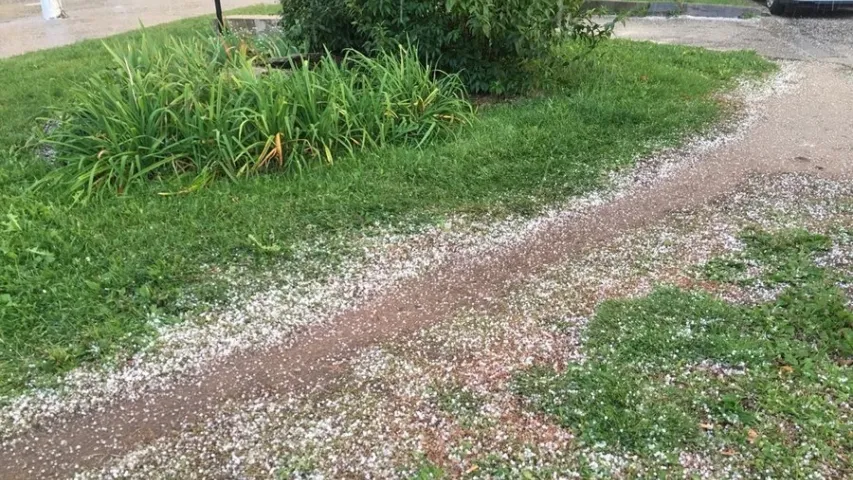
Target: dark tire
[(776, 7)]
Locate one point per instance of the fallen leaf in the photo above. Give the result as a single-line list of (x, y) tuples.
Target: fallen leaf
[(751, 435), (787, 369), (472, 469)]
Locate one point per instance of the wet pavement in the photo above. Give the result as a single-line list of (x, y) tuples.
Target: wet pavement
[(23, 30), (824, 37)]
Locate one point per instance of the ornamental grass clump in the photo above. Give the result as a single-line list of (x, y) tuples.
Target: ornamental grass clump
[(202, 109)]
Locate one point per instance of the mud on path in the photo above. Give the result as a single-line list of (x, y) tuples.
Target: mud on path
[(805, 130)]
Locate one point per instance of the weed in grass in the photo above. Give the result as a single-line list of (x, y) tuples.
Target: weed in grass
[(89, 278), (773, 252), (524, 465), (297, 467), (726, 270), (460, 402), (681, 371), (424, 469)]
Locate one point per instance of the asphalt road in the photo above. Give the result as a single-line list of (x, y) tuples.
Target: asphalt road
[(823, 37)]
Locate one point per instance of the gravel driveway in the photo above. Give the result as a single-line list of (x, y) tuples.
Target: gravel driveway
[(267, 412)]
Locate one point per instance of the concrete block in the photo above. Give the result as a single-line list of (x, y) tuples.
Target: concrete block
[(252, 24)]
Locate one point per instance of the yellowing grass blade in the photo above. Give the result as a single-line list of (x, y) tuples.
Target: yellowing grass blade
[(328, 155), (278, 150)]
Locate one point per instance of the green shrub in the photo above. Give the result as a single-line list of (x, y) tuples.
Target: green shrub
[(204, 108), (492, 44)]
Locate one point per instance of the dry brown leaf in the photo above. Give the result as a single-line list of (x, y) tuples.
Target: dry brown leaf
[(472, 469), (751, 435), (787, 369), (278, 150)]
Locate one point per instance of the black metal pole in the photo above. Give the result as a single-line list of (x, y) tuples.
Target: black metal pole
[(220, 23)]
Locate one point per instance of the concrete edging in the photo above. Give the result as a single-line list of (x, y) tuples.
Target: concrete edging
[(669, 9), (251, 24)]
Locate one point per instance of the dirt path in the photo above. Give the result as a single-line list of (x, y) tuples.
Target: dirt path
[(807, 130)]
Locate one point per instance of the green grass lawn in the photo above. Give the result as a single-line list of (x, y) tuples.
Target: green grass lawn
[(681, 370), (77, 282)]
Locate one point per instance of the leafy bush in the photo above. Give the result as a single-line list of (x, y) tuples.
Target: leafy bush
[(205, 108), (492, 44)]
